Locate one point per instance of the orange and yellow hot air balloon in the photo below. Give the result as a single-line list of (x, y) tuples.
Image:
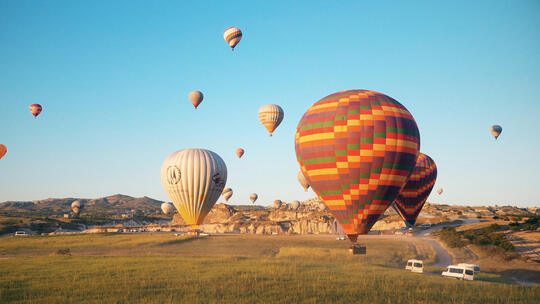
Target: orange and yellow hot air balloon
[(196, 97), (3, 150), (357, 149), (239, 152), (35, 109), (271, 116)]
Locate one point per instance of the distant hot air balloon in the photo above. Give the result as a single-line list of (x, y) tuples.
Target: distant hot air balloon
[(35, 109), (76, 207), (414, 194), (167, 208), (239, 152), (357, 148), (227, 193), (271, 116), (440, 190), (3, 150), (232, 35), (295, 205), (253, 197), (196, 97), (194, 179), (496, 130), (303, 180)]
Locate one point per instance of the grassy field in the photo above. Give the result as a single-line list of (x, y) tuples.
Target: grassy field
[(162, 268)]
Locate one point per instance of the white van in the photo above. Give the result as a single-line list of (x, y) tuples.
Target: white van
[(476, 268), (21, 233), (459, 272), (415, 266)]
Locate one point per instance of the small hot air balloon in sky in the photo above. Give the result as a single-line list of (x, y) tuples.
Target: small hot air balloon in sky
[(167, 208), (412, 197), (196, 97), (194, 179), (303, 181), (357, 148), (76, 207), (271, 116), (232, 35), (496, 130), (227, 193), (253, 197), (239, 152), (35, 109), (3, 150), (439, 191)]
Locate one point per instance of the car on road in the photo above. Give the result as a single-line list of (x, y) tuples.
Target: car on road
[(21, 233), (341, 238), (415, 266), (459, 272)]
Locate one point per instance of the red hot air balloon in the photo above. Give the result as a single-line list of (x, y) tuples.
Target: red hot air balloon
[(357, 149), (3, 150), (35, 109), (412, 197), (239, 152)]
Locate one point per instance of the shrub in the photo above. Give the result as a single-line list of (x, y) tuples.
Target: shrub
[(451, 237), (514, 228), (495, 217)]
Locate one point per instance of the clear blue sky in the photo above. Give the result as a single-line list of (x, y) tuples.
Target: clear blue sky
[(114, 76)]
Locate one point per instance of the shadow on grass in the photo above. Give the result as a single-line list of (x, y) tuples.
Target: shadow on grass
[(523, 275), (179, 241)]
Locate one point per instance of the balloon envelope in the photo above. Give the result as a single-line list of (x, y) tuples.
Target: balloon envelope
[(271, 116), (232, 35), (496, 130), (196, 97), (167, 208), (303, 181), (3, 150), (76, 207), (253, 197), (194, 179), (35, 109), (414, 194), (440, 191), (239, 152), (357, 149), (227, 193)]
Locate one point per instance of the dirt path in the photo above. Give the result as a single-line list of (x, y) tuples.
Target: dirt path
[(443, 257)]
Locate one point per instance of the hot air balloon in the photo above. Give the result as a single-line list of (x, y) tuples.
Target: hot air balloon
[(76, 207), (496, 130), (295, 205), (194, 179), (232, 35), (239, 152), (35, 109), (271, 116), (414, 194), (196, 97), (3, 150), (253, 197), (227, 193), (167, 208), (357, 149), (440, 190), (303, 181)]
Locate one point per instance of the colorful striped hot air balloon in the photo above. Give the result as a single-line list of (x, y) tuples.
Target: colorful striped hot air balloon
[(194, 179), (232, 35), (3, 150), (271, 116), (412, 197), (239, 152), (196, 97), (35, 109), (440, 191), (357, 149)]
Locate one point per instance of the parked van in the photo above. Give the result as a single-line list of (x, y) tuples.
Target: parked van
[(415, 266), (21, 233), (476, 268), (459, 272)]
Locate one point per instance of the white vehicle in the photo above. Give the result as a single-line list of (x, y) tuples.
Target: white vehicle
[(21, 233), (476, 268), (425, 226), (341, 238), (415, 266), (459, 272)]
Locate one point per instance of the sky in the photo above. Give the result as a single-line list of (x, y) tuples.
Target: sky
[(113, 78)]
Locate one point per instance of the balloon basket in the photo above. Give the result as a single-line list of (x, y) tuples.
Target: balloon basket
[(357, 249), (194, 232)]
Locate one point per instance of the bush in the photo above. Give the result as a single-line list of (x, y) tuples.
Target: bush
[(495, 217), (450, 236), (514, 228)]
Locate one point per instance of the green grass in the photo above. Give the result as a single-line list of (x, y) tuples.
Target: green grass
[(162, 268)]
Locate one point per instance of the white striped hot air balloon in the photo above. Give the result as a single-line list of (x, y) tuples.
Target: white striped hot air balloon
[(253, 197), (271, 116), (167, 208), (232, 35), (194, 179), (227, 193)]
